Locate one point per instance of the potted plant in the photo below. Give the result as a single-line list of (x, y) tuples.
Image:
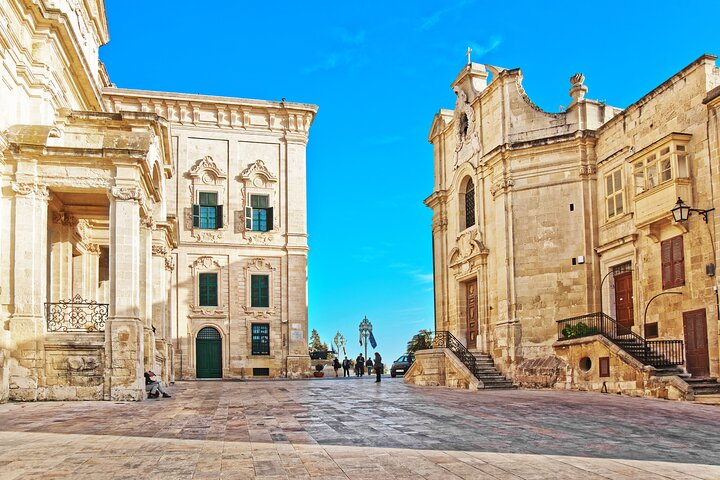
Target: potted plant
[(319, 370)]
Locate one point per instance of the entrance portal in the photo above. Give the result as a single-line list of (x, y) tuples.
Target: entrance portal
[(472, 314), (208, 353)]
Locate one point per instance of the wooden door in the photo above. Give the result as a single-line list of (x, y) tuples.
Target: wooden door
[(697, 361), (208, 354), (472, 314), (624, 302)]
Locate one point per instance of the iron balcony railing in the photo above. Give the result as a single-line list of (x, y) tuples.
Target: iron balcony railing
[(445, 339), (76, 315), (658, 353)]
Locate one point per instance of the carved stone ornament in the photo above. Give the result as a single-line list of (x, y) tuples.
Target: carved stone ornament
[(127, 193), (63, 218), (587, 170), (93, 248), (470, 244), (501, 185), (206, 262), (159, 250), (39, 191), (206, 170), (257, 169), (257, 238), (148, 222), (465, 128), (207, 236), (254, 312), (259, 264), (207, 312), (169, 263), (82, 228)]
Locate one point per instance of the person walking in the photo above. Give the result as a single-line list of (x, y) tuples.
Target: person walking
[(346, 367), (336, 365), (360, 365), (369, 365), (378, 367)]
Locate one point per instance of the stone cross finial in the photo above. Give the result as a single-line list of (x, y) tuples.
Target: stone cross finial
[(469, 51)]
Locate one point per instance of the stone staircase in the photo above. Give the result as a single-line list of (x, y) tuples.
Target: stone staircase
[(486, 372), (705, 390)]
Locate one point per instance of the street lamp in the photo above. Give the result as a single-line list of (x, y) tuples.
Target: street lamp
[(681, 211), (339, 342), (365, 328)]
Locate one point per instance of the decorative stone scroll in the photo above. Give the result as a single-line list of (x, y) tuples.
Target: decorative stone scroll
[(159, 250), (205, 262), (169, 263), (465, 128), (501, 186), (63, 218), (40, 192), (93, 248), (127, 193), (148, 222)]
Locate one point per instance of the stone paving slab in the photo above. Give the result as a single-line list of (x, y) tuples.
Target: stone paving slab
[(355, 429)]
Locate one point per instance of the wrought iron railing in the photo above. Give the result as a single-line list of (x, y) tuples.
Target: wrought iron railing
[(658, 353), (445, 339), (76, 315)]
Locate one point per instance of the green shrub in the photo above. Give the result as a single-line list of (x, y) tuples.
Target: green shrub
[(580, 329)]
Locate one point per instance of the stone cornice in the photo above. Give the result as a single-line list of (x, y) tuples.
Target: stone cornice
[(211, 111)]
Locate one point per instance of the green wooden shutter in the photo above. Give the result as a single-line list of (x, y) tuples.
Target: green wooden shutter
[(219, 216), (196, 216), (269, 218)]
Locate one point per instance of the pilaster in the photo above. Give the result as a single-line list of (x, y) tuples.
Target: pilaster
[(124, 342), (27, 323)]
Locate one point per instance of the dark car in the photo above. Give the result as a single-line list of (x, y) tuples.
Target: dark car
[(402, 364)]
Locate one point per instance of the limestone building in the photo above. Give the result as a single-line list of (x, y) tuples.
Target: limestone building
[(542, 217), (139, 230)]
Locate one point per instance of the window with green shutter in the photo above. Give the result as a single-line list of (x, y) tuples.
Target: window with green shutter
[(208, 289), (207, 213), (259, 215), (259, 291)]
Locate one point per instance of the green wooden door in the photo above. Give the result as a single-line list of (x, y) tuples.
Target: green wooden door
[(208, 353)]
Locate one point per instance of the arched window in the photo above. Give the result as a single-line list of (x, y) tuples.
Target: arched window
[(468, 202)]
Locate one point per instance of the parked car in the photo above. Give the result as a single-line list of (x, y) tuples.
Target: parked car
[(402, 364), (319, 355)]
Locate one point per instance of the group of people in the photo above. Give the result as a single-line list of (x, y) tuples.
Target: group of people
[(360, 364)]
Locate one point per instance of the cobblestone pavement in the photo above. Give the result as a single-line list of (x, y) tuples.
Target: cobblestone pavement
[(353, 428)]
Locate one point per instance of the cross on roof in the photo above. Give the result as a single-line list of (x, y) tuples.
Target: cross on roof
[(469, 51)]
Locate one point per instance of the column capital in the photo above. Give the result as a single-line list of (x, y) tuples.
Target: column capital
[(39, 191), (159, 250)]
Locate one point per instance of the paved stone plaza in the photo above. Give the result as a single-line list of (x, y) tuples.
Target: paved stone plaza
[(353, 428)]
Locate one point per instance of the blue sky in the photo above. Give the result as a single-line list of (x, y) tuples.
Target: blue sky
[(379, 71)]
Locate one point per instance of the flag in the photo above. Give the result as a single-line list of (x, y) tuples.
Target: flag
[(344, 352), (361, 339), (332, 349), (373, 343)]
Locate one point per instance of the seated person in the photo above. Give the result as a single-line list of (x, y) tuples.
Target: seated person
[(152, 384)]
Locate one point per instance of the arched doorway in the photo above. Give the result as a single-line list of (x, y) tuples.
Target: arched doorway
[(208, 353)]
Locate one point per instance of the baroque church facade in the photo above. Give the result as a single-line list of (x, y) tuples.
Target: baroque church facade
[(140, 230), (554, 241)]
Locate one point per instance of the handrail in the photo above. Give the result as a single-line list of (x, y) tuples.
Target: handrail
[(76, 315), (658, 353), (445, 339)]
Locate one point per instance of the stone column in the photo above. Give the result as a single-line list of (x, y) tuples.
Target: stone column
[(27, 323), (92, 270), (146, 290), (159, 292), (124, 342)]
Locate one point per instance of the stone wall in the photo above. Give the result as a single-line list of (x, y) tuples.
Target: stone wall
[(439, 367), (626, 376)]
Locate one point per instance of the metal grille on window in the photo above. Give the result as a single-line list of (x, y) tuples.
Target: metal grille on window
[(208, 333), (261, 339), (470, 204)]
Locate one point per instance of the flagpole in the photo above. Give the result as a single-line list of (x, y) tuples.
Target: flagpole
[(365, 328)]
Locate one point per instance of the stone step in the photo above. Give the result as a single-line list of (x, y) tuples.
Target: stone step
[(708, 399)]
